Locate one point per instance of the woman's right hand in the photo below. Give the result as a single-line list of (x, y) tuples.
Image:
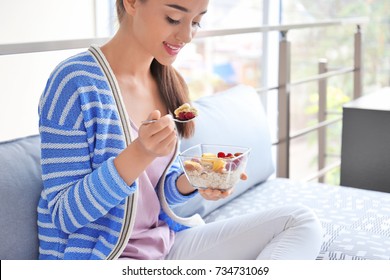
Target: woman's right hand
[(158, 138), (154, 140)]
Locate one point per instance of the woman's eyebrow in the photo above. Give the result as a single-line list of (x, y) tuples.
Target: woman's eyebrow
[(183, 9)]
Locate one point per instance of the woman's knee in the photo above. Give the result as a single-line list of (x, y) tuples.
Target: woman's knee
[(304, 212), (308, 219)]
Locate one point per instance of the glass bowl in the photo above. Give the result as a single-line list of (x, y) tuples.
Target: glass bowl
[(214, 166)]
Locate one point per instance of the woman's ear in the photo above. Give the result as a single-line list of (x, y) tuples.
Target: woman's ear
[(129, 6)]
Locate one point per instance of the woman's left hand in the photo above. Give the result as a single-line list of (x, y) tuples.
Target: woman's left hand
[(215, 194)]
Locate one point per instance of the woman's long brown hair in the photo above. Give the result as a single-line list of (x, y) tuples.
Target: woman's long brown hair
[(172, 87)]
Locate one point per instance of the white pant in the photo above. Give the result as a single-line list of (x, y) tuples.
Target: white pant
[(284, 233)]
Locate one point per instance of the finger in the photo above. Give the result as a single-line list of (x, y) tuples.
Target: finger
[(226, 193), (243, 176), (168, 143), (165, 122), (211, 194), (165, 135), (154, 115), (168, 117), (207, 194)]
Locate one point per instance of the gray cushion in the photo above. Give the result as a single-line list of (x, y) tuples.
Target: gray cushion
[(20, 187), (233, 117)]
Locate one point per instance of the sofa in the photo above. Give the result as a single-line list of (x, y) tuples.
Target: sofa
[(356, 222)]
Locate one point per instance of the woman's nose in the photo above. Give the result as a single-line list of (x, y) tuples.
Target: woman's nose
[(185, 34)]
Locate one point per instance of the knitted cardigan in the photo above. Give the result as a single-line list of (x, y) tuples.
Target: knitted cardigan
[(86, 210)]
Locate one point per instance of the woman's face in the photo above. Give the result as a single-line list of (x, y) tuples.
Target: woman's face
[(163, 27)]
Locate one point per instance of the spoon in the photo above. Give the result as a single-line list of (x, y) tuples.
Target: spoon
[(180, 111), (176, 120)]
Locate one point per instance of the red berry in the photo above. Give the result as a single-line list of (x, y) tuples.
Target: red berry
[(221, 154), (229, 155), (189, 115), (237, 161), (181, 116), (230, 166)]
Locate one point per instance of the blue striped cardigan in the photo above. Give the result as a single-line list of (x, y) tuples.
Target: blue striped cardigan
[(86, 210)]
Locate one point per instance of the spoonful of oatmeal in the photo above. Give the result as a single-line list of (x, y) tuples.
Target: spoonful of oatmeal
[(184, 113)]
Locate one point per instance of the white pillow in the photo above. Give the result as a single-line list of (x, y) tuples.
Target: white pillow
[(233, 117)]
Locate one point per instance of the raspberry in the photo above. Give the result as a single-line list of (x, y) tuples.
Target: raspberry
[(221, 155), (237, 161), (189, 115), (181, 116), (229, 155), (230, 166)]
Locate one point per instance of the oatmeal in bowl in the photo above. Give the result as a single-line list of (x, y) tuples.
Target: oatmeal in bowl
[(214, 166)]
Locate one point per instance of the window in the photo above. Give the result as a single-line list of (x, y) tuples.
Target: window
[(336, 45), (216, 63), (210, 64), (23, 76)]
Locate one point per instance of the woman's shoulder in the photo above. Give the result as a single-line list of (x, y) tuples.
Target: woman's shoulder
[(82, 62), (74, 76), (78, 71)]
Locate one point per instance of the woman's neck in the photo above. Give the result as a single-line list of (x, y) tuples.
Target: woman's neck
[(126, 57), (131, 67)]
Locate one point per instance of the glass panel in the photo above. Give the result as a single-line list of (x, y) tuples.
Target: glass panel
[(308, 46), (303, 156), (224, 14), (304, 114), (214, 64), (303, 106), (333, 152), (376, 35)]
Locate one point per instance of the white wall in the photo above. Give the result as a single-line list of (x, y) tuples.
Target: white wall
[(43, 20), (23, 77), (22, 80)]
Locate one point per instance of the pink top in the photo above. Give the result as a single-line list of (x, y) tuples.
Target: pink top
[(151, 238)]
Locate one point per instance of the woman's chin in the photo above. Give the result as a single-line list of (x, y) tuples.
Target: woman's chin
[(166, 61)]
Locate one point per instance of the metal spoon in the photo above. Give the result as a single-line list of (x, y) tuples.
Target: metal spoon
[(176, 120)]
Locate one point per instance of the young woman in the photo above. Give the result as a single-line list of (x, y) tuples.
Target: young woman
[(109, 180)]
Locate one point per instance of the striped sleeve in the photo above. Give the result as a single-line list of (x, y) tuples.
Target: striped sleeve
[(77, 194), (79, 190), (172, 194)]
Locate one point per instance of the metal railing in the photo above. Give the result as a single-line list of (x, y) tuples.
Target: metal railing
[(284, 90), (284, 81), (284, 94)]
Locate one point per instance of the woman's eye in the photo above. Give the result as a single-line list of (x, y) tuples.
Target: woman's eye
[(196, 24), (176, 22), (172, 21)]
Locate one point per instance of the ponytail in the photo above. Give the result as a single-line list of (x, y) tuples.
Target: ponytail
[(174, 92)]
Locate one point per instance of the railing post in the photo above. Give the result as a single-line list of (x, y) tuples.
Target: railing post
[(283, 149), (358, 65), (322, 100)]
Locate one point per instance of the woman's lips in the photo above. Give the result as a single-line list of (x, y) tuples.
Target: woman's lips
[(172, 49)]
